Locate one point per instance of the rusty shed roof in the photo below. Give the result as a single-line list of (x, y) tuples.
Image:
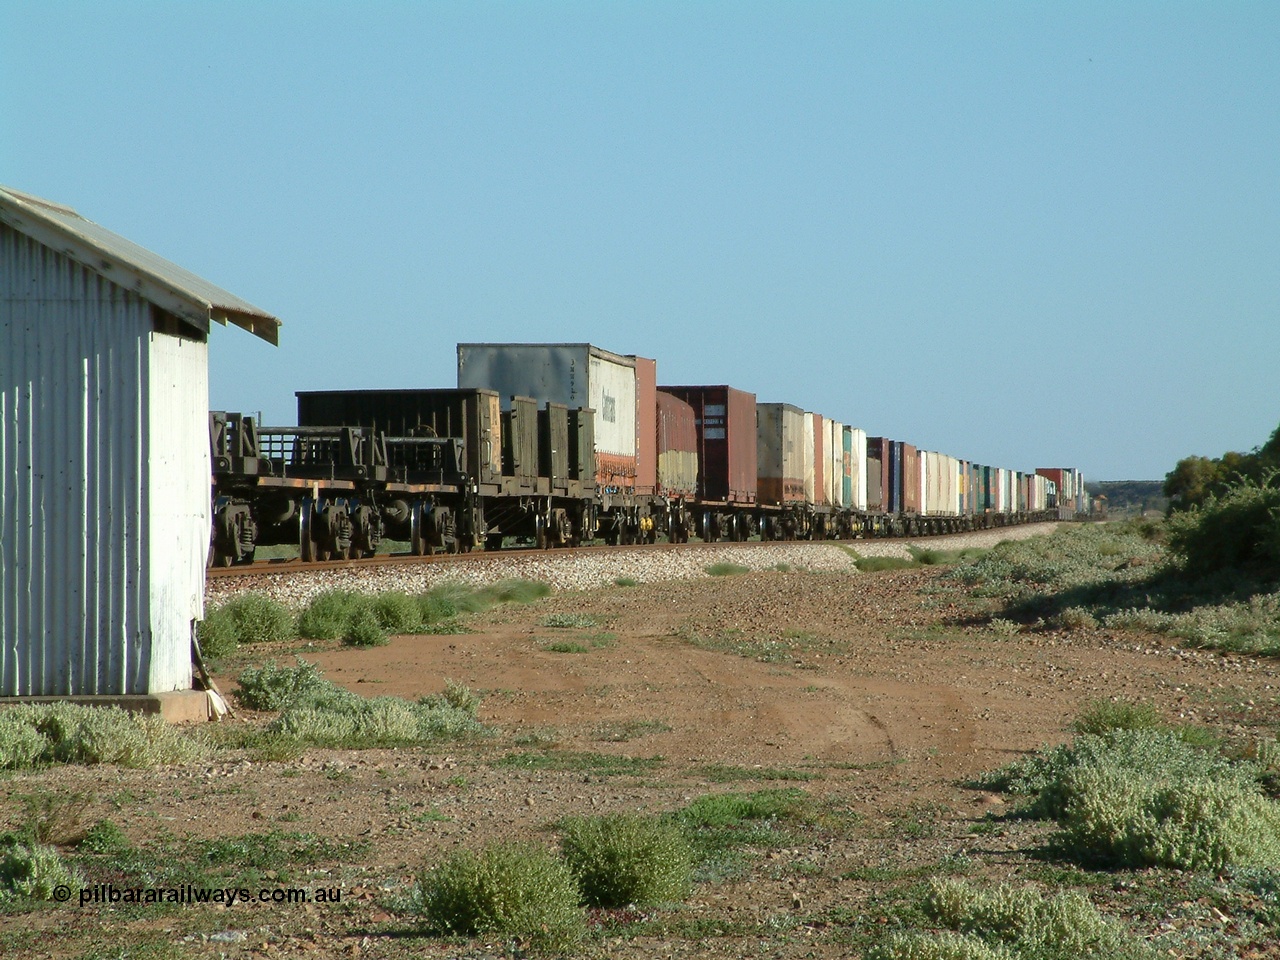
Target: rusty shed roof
[(136, 268)]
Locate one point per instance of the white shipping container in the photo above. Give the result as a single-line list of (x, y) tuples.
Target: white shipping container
[(834, 473), (807, 463), (575, 374), (858, 469)]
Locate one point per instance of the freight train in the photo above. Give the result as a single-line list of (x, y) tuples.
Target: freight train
[(552, 445)]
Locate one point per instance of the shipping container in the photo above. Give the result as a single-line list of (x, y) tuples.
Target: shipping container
[(879, 484), (677, 446), (725, 419), (847, 498), (573, 374), (813, 456), (912, 499), (646, 425), (859, 469), (833, 472), (784, 453)]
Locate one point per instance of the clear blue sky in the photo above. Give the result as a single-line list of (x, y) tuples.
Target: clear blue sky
[(1027, 234)]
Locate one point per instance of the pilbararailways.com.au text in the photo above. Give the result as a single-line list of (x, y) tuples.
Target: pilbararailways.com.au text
[(109, 893)]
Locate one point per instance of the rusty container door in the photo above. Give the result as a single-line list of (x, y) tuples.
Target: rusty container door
[(677, 446), (725, 419), (646, 425)]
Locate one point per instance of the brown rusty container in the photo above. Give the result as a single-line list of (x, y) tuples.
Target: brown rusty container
[(646, 425), (911, 480), (821, 459), (677, 445), (725, 419), (879, 458)]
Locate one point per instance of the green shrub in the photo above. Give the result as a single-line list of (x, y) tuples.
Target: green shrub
[(218, 634), (1146, 797), (1103, 716), (259, 619), (32, 871), (879, 564), (580, 621), (271, 687), (248, 618), (726, 569), (626, 859), (364, 630), (1115, 819), (436, 606), (328, 615), (397, 612), (1238, 530), (33, 734), (1010, 922), (326, 715), (514, 890)]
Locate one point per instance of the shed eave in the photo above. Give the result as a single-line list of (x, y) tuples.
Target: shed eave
[(165, 291)]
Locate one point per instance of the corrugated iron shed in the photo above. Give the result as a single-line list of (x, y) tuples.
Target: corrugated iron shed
[(132, 267), (104, 455)]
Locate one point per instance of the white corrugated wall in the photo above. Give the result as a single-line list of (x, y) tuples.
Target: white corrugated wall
[(76, 507), (179, 509)]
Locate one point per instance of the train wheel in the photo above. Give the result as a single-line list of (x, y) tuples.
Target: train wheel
[(307, 552)]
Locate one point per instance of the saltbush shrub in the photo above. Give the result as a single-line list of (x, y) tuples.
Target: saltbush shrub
[(1012, 922), (256, 618), (397, 612), (326, 715), (272, 687), (1147, 797), (514, 890), (32, 870), (33, 734), (328, 615), (624, 859)]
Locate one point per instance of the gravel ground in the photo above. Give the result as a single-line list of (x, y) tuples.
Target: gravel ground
[(583, 570)]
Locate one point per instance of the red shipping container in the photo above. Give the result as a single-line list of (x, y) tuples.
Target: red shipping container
[(646, 425), (677, 447), (911, 480), (725, 419), (879, 455)]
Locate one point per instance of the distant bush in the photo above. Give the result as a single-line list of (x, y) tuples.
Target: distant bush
[(931, 556), (1075, 557), (1103, 716), (217, 634), (879, 564), (626, 859), (515, 890), (364, 629), (1236, 530), (726, 569)]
